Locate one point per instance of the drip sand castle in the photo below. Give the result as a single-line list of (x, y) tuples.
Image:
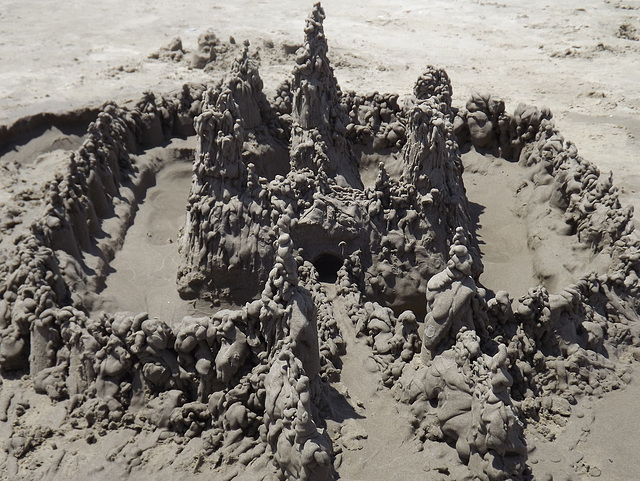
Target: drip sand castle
[(331, 273)]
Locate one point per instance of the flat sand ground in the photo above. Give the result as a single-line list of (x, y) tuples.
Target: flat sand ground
[(569, 56)]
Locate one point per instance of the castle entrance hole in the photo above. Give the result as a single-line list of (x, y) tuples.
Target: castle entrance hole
[(327, 265)]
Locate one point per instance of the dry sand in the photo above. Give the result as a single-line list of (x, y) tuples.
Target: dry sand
[(66, 56), (568, 57)]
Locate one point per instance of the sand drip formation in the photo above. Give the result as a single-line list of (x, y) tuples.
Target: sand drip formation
[(279, 221)]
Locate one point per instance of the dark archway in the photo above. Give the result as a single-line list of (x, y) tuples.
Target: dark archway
[(327, 265)]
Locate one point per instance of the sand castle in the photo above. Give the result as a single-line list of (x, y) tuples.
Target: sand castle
[(278, 211)]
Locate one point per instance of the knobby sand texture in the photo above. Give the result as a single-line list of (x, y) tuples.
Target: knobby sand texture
[(223, 265)]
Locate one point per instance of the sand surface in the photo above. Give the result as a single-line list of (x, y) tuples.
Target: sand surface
[(566, 56), (143, 271), (63, 56)]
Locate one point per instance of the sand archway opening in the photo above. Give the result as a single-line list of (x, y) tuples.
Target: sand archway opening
[(327, 265)]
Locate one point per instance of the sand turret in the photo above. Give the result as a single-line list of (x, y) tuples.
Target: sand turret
[(319, 119), (431, 157)]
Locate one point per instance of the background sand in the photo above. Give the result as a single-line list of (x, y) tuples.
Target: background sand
[(565, 55)]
